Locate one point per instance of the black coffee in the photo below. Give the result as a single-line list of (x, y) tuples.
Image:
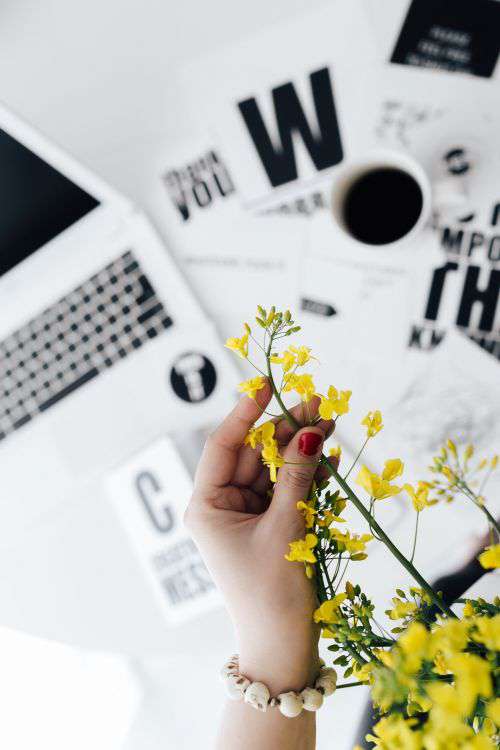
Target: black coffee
[(382, 205)]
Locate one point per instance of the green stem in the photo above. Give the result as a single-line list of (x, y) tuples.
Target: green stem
[(387, 541), (355, 655), (357, 458), (468, 492), (359, 505), (415, 537), (349, 684)]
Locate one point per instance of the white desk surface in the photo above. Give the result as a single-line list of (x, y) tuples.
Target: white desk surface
[(100, 76)]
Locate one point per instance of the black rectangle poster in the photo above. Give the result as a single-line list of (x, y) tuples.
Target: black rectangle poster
[(459, 36)]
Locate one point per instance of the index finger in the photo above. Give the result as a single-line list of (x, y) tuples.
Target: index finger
[(220, 455)]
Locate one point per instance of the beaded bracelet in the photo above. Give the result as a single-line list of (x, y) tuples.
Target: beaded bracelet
[(257, 695)]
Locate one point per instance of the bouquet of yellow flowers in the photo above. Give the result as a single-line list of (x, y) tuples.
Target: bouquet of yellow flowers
[(434, 676)]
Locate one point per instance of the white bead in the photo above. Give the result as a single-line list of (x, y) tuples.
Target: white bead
[(257, 695), (328, 672), (228, 669), (312, 699), (327, 680), (290, 704), (236, 684)]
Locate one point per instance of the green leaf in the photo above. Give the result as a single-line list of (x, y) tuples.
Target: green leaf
[(342, 660)]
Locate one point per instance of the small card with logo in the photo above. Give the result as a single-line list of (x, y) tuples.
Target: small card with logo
[(456, 36), (150, 493), (289, 105)]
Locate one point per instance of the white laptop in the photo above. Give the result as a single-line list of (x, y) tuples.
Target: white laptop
[(103, 349)]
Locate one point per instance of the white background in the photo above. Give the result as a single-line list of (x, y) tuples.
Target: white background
[(99, 78)]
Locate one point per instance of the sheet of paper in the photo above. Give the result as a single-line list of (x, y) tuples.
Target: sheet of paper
[(367, 291), (285, 105), (248, 261), (232, 260), (150, 493), (450, 124)]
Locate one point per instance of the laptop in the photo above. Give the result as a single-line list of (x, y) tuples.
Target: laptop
[(103, 349)]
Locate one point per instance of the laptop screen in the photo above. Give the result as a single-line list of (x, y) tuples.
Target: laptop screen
[(36, 202)]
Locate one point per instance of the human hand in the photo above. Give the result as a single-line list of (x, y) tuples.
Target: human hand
[(243, 535)]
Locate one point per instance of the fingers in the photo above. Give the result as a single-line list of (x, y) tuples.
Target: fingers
[(250, 472), (220, 455), (323, 472), (260, 480), (295, 477), (302, 413)]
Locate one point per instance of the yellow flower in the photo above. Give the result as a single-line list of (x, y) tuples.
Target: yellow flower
[(329, 518), (335, 403), (302, 354), (293, 356), (260, 435), (413, 643), (490, 558), (494, 462), (414, 639), (444, 696), (418, 702), (353, 543), (308, 512), (336, 452), (401, 609), (449, 637), (240, 346), (440, 664), (373, 423), (393, 732), (309, 571), (393, 468), (386, 657), (302, 549), (487, 631), (419, 496), (329, 611), (272, 458), (468, 452), (448, 473), (250, 387), (376, 486), (364, 673), (493, 711), (468, 609), (472, 679), (451, 447), (286, 360), (301, 384)]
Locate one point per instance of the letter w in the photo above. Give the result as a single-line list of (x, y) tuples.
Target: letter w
[(325, 149)]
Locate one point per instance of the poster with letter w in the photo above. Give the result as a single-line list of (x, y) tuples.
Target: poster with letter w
[(290, 105)]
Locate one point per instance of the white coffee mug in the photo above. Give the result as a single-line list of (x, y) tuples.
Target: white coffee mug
[(381, 159)]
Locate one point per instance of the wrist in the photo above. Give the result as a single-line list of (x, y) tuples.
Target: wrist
[(284, 658)]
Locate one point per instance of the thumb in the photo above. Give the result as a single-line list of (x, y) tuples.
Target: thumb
[(296, 475)]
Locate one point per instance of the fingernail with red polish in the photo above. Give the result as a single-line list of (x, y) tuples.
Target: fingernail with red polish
[(309, 443)]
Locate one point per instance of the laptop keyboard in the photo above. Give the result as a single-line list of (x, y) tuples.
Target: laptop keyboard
[(99, 323)]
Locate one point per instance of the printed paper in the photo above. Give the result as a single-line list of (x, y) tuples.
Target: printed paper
[(150, 493)]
